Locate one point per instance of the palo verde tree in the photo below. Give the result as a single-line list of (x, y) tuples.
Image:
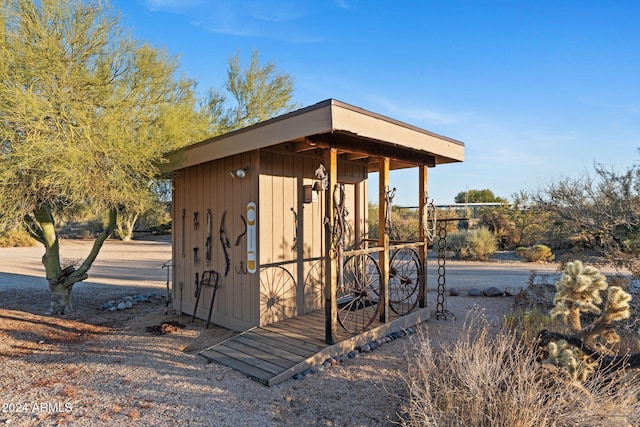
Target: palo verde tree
[(85, 116), (259, 92), (172, 124)]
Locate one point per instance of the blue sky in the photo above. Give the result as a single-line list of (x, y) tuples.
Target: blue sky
[(535, 89)]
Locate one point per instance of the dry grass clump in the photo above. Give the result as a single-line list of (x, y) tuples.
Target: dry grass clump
[(492, 379)]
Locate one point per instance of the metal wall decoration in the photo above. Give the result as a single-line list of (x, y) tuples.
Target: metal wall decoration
[(321, 174), (208, 242), (241, 269), (196, 220), (295, 230), (244, 232), (277, 301), (388, 201), (226, 244), (339, 229), (429, 219), (183, 234)]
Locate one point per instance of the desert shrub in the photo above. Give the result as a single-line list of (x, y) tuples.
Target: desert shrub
[(156, 220), (81, 229), (536, 253), (475, 244), (406, 224), (455, 242), (498, 221), (16, 238), (528, 322), (488, 379)]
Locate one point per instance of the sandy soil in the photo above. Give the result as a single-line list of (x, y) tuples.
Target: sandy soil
[(95, 367)]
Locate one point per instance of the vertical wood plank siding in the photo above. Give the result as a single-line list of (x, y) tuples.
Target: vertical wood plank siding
[(290, 273), (210, 186)]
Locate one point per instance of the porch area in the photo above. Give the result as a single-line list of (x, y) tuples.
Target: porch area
[(274, 353)]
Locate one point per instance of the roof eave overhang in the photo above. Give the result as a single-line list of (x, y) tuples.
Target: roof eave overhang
[(288, 127), (329, 123)]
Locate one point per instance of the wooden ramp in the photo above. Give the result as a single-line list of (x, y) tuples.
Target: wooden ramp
[(274, 353)]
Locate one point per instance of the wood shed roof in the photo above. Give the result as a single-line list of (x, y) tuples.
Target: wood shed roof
[(355, 132)]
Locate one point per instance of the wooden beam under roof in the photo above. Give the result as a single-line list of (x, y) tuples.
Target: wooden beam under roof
[(304, 145), (354, 156), (359, 148)]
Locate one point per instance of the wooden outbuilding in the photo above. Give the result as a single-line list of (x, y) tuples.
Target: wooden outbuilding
[(272, 213)]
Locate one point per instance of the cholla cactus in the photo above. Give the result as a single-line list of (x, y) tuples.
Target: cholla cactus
[(578, 290), (617, 307), (576, 363)]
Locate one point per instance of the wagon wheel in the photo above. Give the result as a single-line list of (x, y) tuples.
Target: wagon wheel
[(314, 287), (358, 296), (277, 295), (404, 279)]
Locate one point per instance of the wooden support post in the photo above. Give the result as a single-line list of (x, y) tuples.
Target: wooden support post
[(423, 251), (331, 262), (383, 239)]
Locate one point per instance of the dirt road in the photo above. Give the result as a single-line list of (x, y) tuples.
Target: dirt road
[(121, 268), (127, 266)]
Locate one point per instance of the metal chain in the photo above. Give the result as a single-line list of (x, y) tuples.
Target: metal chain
[(441, 308)]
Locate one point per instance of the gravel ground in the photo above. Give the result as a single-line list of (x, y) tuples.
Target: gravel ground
[(95, 367)]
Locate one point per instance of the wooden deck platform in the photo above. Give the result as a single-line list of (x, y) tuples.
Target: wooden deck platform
[(274, 353)]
